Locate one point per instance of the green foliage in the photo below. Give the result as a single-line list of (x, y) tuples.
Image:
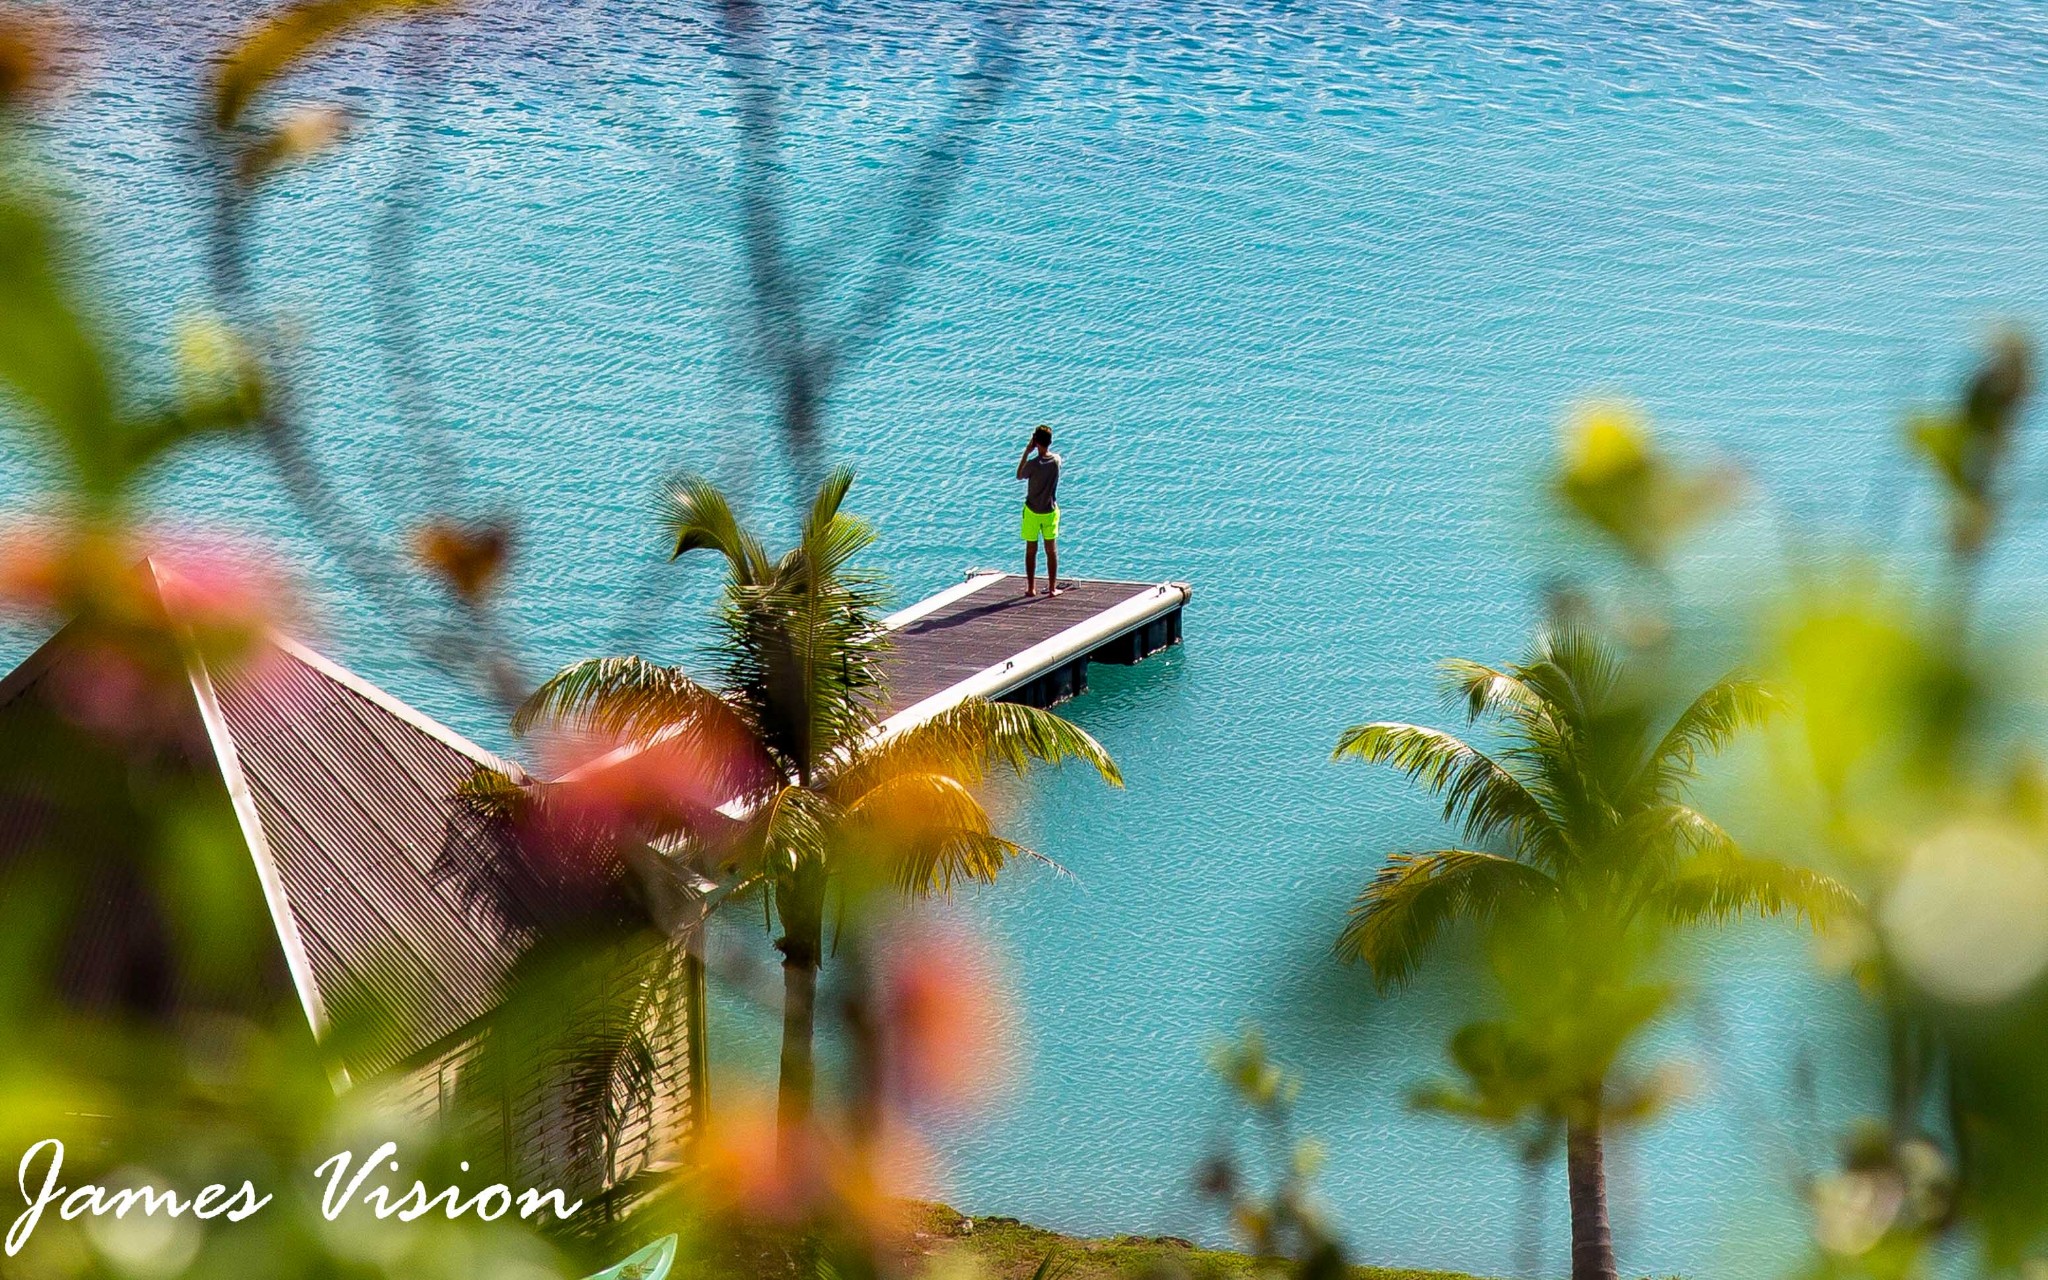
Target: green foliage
[(1614, 479), (1574, 997), (1280, 1221), (1055, 1265), (1252, 1075), (965, 740), (286, 37), (1415, 895), (623, 992), (49, 358), (1912, 769), (824, 804), (1589, 795), (492, 793), (800, 646), (189, 1061), (55, 365), (699, 517), (1966, 445), (1598, 854), (943, 1242)]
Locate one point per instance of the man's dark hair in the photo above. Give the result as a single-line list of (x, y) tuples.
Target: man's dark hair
[(1042, 436)]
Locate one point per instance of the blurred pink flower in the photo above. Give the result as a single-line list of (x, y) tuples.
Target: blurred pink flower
[(645, 791), (143, 607), (945, 1017), (213, 586), (220, 588), (748, 1171), (35, 568), (744, 1172)]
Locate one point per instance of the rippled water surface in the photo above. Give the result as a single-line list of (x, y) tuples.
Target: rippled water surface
[(1305, 291)]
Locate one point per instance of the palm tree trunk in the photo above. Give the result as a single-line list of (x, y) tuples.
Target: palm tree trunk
[(697, 1045), (799, 901), (1586, 1180), (799, 1003)]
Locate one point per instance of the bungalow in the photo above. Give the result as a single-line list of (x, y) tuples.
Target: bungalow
[(371, 883)]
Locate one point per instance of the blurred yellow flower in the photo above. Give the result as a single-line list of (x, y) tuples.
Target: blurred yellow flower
[(1604, 441), (1611, 475)]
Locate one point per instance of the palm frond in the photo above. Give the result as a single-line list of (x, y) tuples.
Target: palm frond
[(800, 643), (612, 1068), (904, 802), (623, 697), (792, 828), (1477, 689), (1588, 789), (1479, 793), (1403, 908), (1712, 720), (928, 831), (670, 720), (580, 1033), (832, 538), (1684, 825), (805, 645), (806, 658), (968, 739), (1722, 883), (491, 793), (1574, 672), (939, 859), (833, 547), (696, 515), (825, 504)]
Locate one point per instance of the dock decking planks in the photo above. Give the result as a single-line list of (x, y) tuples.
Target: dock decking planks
[(994, 624)]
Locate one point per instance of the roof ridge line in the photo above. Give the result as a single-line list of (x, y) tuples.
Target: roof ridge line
[(391, 703), (284, 922), (348, 679)]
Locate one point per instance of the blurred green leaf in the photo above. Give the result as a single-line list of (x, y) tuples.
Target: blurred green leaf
[(1612, 476), (1966, 445), (301, 135), (287, 36), (1246, 1067), (59, 372), (49, 356)]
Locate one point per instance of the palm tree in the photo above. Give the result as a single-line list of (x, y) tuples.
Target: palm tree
[(825, 805), (608, 981), (1586, 811)]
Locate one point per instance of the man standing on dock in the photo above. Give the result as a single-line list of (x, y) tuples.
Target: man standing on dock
[(1039, 469)]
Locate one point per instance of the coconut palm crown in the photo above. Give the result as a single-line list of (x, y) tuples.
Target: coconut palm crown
[(825, 803), (1581, 817)]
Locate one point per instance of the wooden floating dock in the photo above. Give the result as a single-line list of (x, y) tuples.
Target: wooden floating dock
[(986, 639)]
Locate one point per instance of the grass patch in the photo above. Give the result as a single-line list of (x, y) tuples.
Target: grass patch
[(1011, 1250)]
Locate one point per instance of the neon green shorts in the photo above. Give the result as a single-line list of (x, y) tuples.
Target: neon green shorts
[(1045, 524)]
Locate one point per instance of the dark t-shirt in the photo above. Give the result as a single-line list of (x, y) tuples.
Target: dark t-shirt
[(1042, 482)]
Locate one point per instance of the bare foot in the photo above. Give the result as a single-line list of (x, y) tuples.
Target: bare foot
[(1031, 591), (1056, 591)]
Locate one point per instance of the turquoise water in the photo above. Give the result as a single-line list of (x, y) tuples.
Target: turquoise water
[(1306, 292)]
